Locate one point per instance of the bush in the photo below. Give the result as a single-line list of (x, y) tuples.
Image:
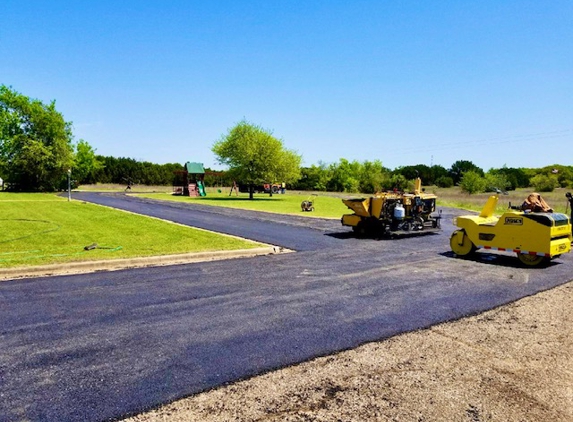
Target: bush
[(544, 183), (444, 182), (471, 182), (495, 182)]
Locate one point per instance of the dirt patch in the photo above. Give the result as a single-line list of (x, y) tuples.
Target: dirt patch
[(514, 363)]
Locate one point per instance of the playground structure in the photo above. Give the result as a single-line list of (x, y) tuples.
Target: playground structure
[(192, 179)]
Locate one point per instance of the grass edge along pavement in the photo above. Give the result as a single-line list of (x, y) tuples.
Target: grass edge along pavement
[(120, 264), (59, 232)]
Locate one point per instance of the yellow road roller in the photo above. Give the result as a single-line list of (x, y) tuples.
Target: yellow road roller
[(536, 237)]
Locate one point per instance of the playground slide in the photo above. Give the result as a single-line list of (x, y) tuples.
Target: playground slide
[(201, 188)]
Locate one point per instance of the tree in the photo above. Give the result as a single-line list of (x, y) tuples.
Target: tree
[(517, 178), (436, 172), (344, 176), (495, 182), (564, 174), (420, 170), (372, 176), (121, 170), (462, 166), (255, 156), (398, 182), (472, 182), (86, 164), (35, 142), (314, 177), (444, 182), (429, 175)]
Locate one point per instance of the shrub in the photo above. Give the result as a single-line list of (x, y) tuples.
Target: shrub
[(495, 182), (444, 182), (544, 183), (471, 182)]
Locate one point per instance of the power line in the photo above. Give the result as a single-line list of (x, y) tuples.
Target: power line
[(489, 141)]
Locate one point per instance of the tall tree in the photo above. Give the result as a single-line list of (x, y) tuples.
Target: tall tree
[(462, 166), (314, 177), (420, 170), (345, 176), (472, 182), (255, 156), (35, 142), (86, 163), (372, 176)]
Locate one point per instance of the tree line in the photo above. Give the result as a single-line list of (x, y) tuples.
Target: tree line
[(372, 176), (349, 176), (37, 153)]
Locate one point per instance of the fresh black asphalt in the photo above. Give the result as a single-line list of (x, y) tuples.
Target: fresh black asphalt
[(105, 345)]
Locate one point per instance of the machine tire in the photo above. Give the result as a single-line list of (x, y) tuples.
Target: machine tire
[(418, 224), (465, 249), (360, 229), (531, 260)]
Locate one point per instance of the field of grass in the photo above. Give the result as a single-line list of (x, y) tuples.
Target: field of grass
[(325, 205), (329, 205), (453, 197), (37, 229)]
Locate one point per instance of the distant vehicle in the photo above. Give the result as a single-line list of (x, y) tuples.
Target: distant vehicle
[(263, 188)]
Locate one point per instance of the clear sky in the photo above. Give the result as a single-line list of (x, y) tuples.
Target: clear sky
[(405, 82)]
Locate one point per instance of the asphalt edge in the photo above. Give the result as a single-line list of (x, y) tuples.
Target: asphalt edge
[(86, 267)]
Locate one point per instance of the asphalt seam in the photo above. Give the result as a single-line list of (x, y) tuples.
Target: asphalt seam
[(85, 267)]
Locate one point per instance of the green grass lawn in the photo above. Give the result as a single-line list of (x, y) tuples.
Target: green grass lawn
[(37, 229), (290, 203)]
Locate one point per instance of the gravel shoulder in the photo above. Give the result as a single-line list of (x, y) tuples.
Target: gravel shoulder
[(513, 363)]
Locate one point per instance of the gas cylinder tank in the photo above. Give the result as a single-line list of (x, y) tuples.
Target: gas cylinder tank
[(399, 212)]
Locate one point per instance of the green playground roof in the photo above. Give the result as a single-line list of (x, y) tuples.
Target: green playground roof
[(194, 168)]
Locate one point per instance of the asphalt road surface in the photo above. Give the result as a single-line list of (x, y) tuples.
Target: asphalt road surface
[(106, 345)]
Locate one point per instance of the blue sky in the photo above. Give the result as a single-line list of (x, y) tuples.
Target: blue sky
[(405, 82)]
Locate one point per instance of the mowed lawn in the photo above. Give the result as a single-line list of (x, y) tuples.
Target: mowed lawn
[(38, 229), (325, 205)]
